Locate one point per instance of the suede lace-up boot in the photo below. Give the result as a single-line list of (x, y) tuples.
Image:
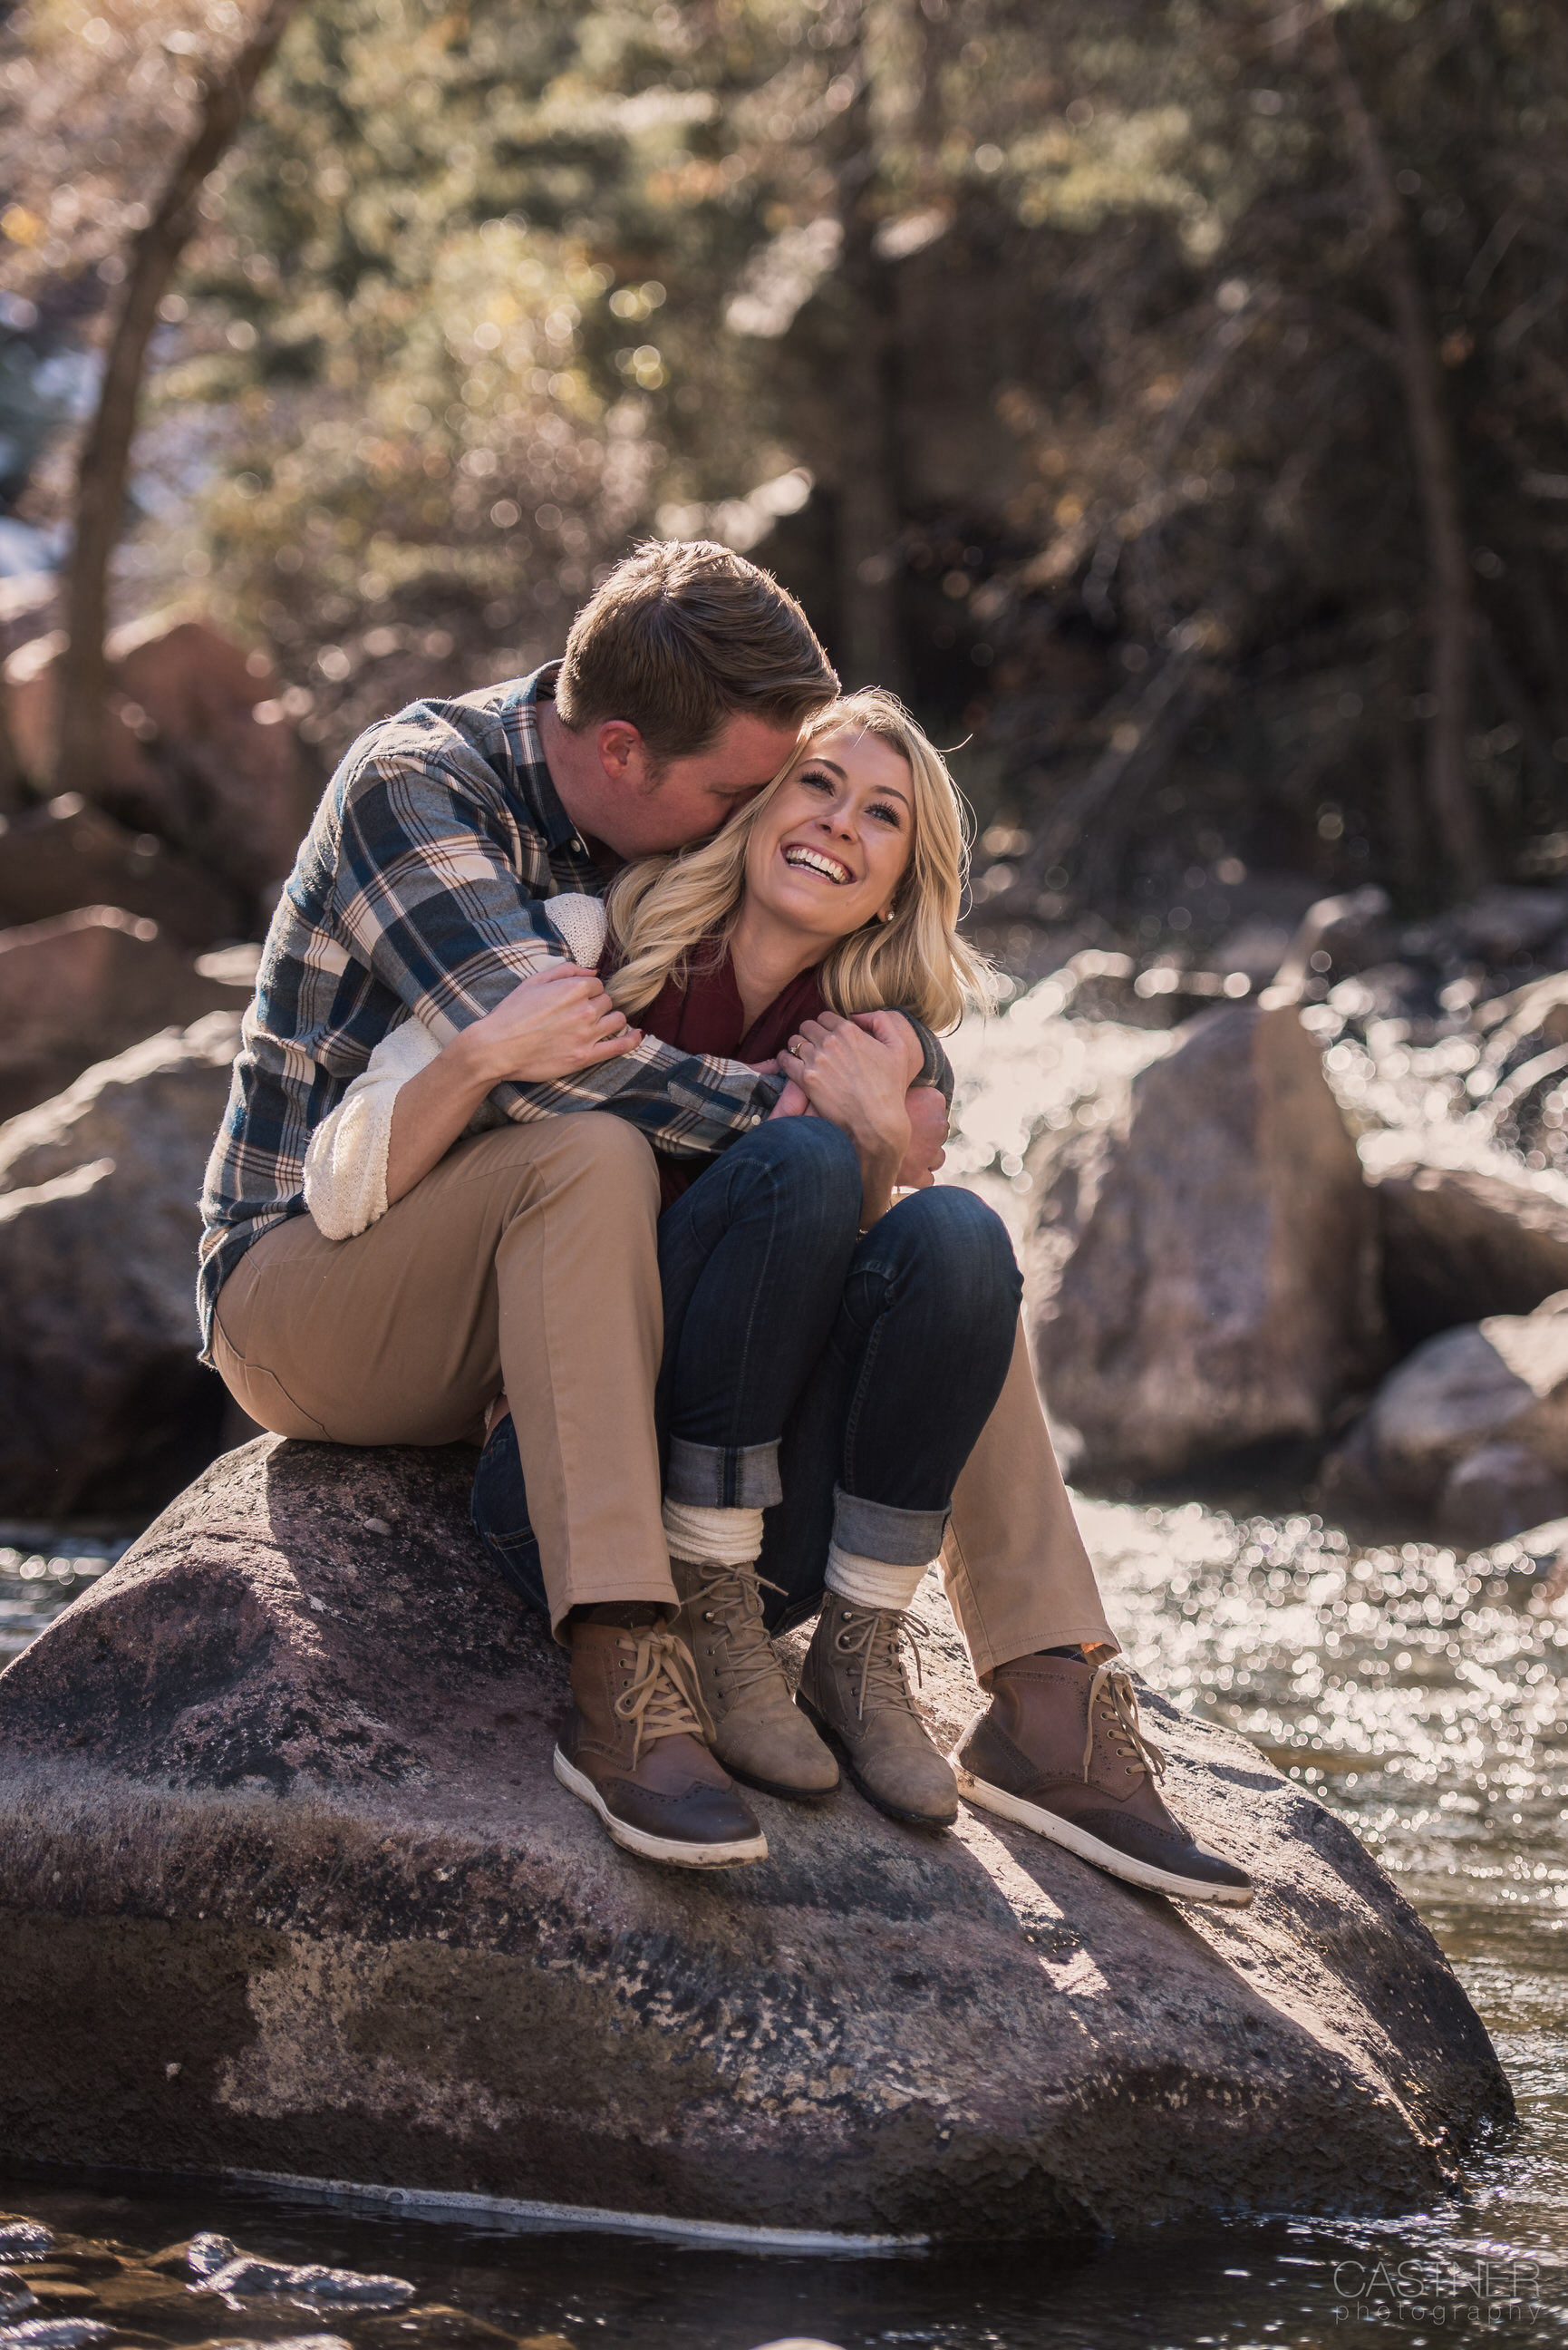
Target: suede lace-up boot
[(853, 1686), (760, 1734), (633, 1749), (1059, 1750)]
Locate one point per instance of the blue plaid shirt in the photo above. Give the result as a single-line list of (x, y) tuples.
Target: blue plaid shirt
[(419, 888)]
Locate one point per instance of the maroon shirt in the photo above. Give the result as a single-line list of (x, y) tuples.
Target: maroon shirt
[(705, 1016)]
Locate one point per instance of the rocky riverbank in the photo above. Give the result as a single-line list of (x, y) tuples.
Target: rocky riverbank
[(1321, 1221)]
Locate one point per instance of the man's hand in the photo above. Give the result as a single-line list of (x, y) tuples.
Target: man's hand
[(928, 1116), (791, 1102)]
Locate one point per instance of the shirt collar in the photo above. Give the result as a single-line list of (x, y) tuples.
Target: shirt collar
[(531, 771)]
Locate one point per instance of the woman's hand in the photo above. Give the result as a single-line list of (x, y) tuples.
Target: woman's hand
[(856, 1073), (555, 1021)]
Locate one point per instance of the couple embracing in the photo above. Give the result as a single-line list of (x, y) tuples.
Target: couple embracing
[(589, 1106)]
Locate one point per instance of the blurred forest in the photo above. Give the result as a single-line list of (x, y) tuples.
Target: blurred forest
[(1169, 397)]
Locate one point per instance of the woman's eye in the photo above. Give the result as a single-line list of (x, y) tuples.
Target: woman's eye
[(889, 815), (818, 783)]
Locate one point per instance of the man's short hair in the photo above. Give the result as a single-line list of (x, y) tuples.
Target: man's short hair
[(681, 637)]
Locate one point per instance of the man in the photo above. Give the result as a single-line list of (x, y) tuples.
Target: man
[(527, 1257)]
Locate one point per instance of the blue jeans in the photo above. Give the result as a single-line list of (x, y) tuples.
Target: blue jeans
[(837, 1383)]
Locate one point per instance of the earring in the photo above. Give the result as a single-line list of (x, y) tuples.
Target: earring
[(888, 916)]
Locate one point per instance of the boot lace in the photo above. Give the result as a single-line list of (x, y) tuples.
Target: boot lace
[(663, 1698), (877, 1637), (1112, 1691), (731, 1596)]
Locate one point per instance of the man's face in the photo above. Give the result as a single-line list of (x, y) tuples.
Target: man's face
[(687, 798)]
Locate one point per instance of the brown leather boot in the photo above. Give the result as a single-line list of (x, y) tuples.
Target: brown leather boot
[(632, 1748), (1059, 1750), (853, 1686), (759, 1732)]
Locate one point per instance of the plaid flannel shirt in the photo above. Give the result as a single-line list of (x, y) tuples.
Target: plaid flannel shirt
[(421, 888)]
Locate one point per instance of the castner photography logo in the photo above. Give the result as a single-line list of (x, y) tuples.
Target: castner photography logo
[(1435, 2290)]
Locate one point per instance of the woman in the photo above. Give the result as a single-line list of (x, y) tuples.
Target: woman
[(830, 1355)]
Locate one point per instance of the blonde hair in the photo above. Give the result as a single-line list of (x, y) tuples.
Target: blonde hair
[(662, 908)]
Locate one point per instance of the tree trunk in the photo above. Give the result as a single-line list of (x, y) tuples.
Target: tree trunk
[(13, 781), (1407, 835), (104, 463), (1450, 794), (870, 519)]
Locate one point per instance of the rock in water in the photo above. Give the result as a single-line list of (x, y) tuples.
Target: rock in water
[(57, 858), (1204, 1265), (287, 1885), (1471, 1431), (1461, 1243), (77, 989), (1499, 1491), (101, 1397)]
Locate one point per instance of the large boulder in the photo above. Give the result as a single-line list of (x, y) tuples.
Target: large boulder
[(1469, 1432), (56, 859), (287, 1885), (85, 985), (102, 1401), (195, 746), (1460, 1242), (1203, 1261)]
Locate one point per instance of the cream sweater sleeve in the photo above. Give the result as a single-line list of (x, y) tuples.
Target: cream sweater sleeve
[(345, 1164), (580, 923)]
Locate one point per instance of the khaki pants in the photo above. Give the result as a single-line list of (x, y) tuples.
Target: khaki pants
[(1016, 1570), (528, 1260)]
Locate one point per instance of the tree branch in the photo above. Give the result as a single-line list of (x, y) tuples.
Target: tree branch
[(103, 464)]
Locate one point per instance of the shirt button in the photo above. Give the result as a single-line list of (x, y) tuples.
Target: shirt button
[(577, 845)]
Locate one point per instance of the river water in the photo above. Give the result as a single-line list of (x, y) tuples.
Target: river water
[(1420, 1695)]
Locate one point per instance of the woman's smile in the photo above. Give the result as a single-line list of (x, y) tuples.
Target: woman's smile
[(808, 859)]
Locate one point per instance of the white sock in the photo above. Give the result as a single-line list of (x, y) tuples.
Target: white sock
[(871, 1581), (727, 1537)]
